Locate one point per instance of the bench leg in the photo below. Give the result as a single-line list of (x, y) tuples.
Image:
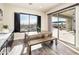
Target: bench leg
[(56, 42), (29, 50), (52, 42)]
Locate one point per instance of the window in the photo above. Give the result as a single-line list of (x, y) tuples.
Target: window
[(33, 23), (28, 22)]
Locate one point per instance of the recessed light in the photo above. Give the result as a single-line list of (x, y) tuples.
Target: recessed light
[(30, 3), (40, 7)]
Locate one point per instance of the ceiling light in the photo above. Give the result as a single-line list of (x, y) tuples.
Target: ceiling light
[(30, 3), (40, 7)]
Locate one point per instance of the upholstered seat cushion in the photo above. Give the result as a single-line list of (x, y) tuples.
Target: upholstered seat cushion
[(40, 35), (47, 34), (37, 41), (31, 37)]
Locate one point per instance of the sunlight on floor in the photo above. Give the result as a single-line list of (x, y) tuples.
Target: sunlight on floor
[(36, 46)]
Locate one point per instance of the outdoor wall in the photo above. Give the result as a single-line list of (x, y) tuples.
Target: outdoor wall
[(69, 24), (9, 16)]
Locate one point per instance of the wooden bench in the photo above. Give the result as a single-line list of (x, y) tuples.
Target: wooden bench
[(34, 42)]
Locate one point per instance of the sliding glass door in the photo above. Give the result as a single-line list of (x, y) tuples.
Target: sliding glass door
[(63, 26), (67, 26), (28, 23)]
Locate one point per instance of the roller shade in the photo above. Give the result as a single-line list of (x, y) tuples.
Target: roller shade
[(39, 24), (16, 22)]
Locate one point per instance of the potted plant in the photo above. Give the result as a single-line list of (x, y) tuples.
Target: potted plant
[(38, 29), (5, 29)]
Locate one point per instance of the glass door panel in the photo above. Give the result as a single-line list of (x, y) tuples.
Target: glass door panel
[(24, 22), (28, 23), (67, 26), (55, 25), (33, 23)]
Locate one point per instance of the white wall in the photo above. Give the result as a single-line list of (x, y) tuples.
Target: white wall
[(9, 15), (77, 26), (2, 8)]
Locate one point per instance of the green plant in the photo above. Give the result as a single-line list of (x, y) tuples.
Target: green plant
[(38, 29), (5, 26)]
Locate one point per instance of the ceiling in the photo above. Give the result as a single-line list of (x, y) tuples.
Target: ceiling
[(44, 7), (68, 13)]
